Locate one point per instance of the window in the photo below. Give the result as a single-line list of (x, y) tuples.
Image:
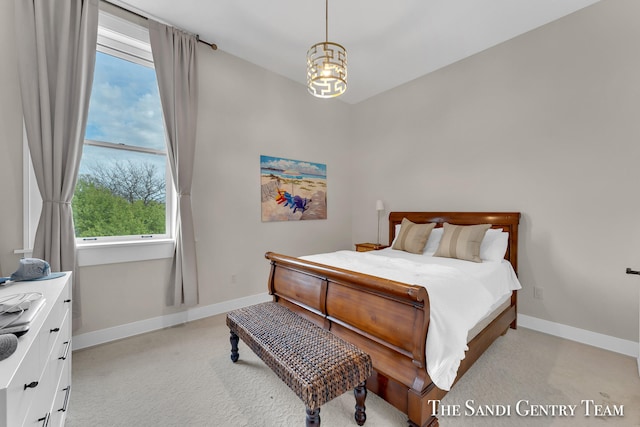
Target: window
[(121, 190), (124, 195)]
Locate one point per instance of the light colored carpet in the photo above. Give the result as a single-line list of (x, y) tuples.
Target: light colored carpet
[(182, 376)]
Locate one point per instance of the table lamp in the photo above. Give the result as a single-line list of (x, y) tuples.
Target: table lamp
[(379, 208)]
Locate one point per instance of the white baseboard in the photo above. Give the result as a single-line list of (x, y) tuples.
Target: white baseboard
[(607, 342), (102, 336)]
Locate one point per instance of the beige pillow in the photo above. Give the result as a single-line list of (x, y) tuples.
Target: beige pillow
[(412, 237), (462, 241)]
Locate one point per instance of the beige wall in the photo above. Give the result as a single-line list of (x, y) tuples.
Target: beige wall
[(547, 124), (246, 111)]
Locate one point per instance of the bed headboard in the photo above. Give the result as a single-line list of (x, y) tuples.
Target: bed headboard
[(508, 221)]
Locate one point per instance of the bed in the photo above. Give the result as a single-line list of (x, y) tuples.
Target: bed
[(389, 319)]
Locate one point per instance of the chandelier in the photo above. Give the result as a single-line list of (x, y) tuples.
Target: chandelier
[(326, 66)]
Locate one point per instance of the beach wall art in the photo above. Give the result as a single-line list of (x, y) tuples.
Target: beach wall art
[(292, 190)]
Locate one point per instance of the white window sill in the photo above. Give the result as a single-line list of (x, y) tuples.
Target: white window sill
[(118, 252)]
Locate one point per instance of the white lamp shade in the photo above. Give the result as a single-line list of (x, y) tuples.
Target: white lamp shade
[(379, 205)]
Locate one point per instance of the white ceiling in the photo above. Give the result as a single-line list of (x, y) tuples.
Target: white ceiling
[(388, 42)]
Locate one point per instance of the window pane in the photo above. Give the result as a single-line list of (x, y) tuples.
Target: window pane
[(125, 104), (120, 191)]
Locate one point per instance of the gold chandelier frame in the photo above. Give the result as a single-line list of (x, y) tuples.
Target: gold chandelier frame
[(327, 66)]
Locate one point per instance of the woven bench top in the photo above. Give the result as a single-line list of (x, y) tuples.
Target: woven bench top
[(317, 365)]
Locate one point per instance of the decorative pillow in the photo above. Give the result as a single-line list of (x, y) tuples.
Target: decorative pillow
[(433, 241), (462, 241), (494, 245), (412, 237)]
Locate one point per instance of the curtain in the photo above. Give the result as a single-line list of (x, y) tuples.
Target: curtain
[(174, 56), (56, 57)]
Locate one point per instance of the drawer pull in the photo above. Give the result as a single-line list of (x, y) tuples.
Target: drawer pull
[(54, 330), (66, 351), (45, 419), (66, 399), (67, 300), (32, 384)]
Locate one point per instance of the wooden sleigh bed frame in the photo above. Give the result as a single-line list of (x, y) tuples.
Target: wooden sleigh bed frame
[(388, 319)]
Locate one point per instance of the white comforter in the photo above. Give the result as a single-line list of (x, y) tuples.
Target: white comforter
[(461, 293)]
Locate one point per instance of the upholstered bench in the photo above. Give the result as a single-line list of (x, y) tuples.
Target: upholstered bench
[(317, 365)]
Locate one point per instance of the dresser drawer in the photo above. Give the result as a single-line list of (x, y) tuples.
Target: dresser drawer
[(54, 326), (54, 357), (23, 389), (48, 411), (61, 400), (39, 413), (61, 352)]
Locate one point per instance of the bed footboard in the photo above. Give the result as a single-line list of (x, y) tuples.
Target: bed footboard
[(387, 319)]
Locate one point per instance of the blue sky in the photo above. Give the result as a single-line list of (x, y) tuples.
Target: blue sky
[(125, 108), (303, 167)]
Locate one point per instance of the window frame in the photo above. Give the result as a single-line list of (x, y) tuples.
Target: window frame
[(128, 41)]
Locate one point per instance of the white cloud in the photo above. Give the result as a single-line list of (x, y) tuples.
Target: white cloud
[(294, 165), (125, 105)]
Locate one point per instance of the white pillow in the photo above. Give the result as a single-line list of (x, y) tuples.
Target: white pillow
[(395, 236), (433, 241), (494, 245)]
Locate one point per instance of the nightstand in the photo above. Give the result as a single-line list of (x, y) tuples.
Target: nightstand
[(366, 247)]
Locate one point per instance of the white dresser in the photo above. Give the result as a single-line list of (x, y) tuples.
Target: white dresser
[(35, 381)]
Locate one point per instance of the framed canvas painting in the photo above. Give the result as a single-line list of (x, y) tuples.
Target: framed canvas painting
[(292, 190)]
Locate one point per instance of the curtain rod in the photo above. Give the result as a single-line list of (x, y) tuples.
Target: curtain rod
[(212, 45)]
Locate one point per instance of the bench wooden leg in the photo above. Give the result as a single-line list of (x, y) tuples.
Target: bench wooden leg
[(360, 393), (313, 417), (234, 346)]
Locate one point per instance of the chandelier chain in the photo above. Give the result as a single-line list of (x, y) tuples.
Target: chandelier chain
[(326, 20)]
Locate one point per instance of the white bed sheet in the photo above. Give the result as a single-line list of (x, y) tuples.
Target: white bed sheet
[(461, 293)]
